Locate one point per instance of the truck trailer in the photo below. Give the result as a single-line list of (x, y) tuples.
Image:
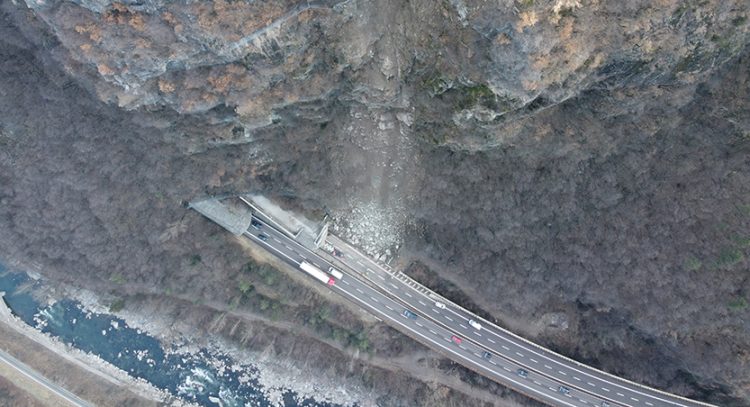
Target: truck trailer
[(317, 273)]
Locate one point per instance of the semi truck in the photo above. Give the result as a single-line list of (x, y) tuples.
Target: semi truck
[(317, 273)]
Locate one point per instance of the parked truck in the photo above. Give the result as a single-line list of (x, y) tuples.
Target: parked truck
[(317, 273)]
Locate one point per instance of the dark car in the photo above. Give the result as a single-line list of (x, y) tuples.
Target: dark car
[(262, 237), (486, 355), (409, 314), (563, 390), (337, 252), (522, 373), (254, 223), (605, 404)]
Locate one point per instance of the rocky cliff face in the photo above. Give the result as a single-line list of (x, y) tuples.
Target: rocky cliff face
[(582, 161)]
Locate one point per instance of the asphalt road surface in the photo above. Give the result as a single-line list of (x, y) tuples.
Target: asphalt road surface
[(490, 350), (41, 380)]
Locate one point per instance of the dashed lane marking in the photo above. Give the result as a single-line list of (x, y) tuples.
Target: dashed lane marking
[(369, 269), (548, 367), (433, 332), (288, 247), (649, 403), (463, 326), (493, 362), (346, 282), (381, 277), (419, 325), (620, 394), (605, 389), (562, 373), (422, 302), (576, 378), (374, 299), (489, 339), (389, 307), (537, 383), (519, 354), (533, 360), (276, 240), (634, 399), (435, 311), (462, 347), (583, 401), (302, 255), (393, 285), (477, 333), (506, 369), (477, 355), (504, 347), (448, 318), (591, 384), (359, 291), (407, 294)]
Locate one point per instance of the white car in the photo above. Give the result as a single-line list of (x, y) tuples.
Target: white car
[(476, 325), (439, 304)]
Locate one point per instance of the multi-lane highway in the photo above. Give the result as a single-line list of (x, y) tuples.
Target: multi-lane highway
[(445, 327)]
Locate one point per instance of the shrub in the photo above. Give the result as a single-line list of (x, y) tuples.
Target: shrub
[(117, 305)]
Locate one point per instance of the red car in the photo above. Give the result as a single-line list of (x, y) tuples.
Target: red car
[(456, 339)]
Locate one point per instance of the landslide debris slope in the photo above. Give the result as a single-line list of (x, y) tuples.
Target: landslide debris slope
[(578, 168)]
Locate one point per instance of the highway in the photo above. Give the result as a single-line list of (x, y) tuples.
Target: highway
[(41, 380), (544, 375)]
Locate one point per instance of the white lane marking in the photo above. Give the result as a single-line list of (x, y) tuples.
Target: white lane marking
[(576, 378), (381, 277), (288, 247), (302, 255), (537, 383), (477, 333), (374, 299), (393, 285), (490, 339), (369, 269), (519, 354), (620, 394), (435, 311), (634, 399), (533, 360), (421, 302), (433, 332), (463, 326), (548, 367), (605, 389), (583, 401), (345, 282), (591, 384), (649, 404), (504, 347), (360, 263), (510, 379), (477, 355), (553, 360), (493, 362), (562, 373), (359, 291), (407, 294), (389, 307), (273, 248), (419, 325), (506, 369), (462, 347), (276, 240), (448, 318)]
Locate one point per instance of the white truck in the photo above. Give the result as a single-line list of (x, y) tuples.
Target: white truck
[(332, 271), (317, 273)]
